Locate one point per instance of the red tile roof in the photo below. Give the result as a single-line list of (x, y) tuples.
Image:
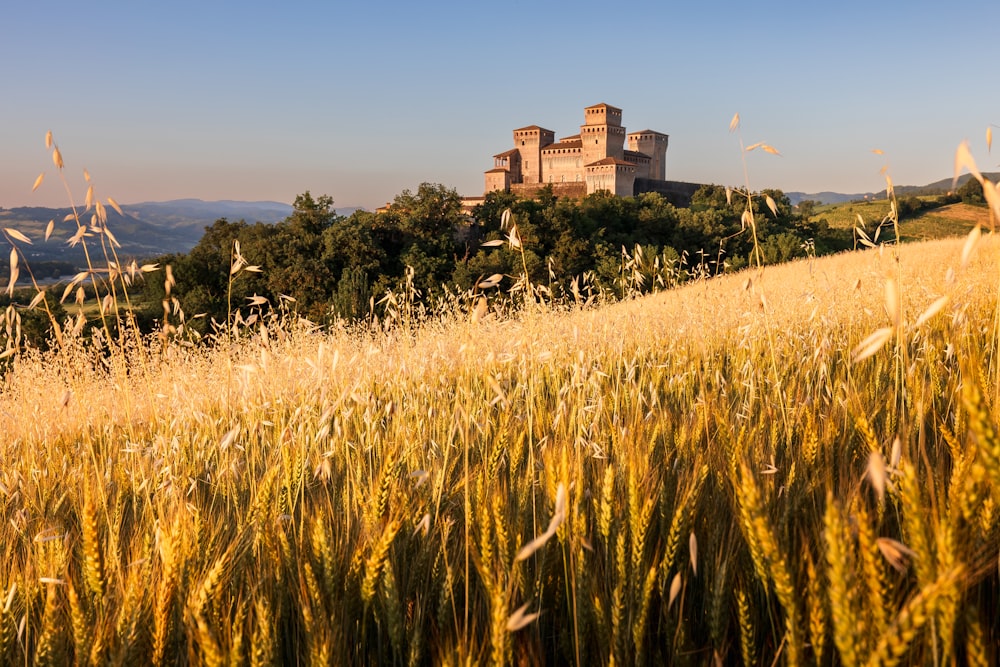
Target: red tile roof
[(610, 160)]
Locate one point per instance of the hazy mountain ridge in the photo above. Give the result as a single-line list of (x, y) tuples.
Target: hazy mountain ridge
[(936, 188), (147, 229), (189, 212)]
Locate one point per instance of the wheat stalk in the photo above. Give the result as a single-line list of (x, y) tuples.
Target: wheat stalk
[(894, 642), (847, 620)]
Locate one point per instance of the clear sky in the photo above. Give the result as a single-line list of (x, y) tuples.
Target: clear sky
[(264, 100)]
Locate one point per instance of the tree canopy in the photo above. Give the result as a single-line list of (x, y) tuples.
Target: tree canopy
[(326, 265)]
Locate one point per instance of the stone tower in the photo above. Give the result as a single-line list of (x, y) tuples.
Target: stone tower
[(529, 142), (653, 144), (602, 133)]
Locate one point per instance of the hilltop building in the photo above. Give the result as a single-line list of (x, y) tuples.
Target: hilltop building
[(593, 160), (581, 164)]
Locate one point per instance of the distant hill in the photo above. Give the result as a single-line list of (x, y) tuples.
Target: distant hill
[(187, 212), (196, 211), (941, 187), (146, 230), (140, 237), (936, 188)]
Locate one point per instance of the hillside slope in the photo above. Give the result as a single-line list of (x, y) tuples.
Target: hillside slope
[(707, 463), (942, 222)]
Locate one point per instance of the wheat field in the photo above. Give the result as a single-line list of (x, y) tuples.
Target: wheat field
[(797, 464), (724, 472)]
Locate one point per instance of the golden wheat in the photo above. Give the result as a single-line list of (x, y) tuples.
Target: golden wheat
[(699, 475)]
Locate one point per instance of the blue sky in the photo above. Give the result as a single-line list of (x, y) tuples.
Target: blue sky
[(264, 100)]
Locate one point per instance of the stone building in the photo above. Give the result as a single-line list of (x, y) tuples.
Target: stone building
[(581, 164)]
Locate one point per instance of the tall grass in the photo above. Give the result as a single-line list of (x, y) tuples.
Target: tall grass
[(703, 475)]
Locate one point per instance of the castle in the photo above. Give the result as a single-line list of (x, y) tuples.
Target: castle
[(595, 159)]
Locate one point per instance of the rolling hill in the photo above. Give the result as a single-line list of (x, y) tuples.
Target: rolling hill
[(146, 229), (772, 445), (936, 188)]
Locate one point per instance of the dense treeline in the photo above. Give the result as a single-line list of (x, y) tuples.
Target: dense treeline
[(43, 270), (337, 266), (35, 324)]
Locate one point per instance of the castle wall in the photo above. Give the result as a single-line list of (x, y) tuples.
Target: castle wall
[(677, 193), (562, 165), (568, 190), (641, 161), (469, 203), (611, 175)]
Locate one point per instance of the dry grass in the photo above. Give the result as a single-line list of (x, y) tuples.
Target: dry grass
[(354, 491), (700, 475)]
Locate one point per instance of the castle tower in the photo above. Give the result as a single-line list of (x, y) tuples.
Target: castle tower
[(602, 133), (529, 142), (653, 144)]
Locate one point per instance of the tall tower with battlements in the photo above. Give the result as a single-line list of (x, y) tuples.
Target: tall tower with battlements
[(653, 144), (529, 142), (602, 133)]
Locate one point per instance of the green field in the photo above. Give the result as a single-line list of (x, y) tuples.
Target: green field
[(845, 216), (943, 222)]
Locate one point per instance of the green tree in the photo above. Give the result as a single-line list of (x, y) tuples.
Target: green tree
[(807, 208), (971, 192), (294, 259), (202, 276), (352, 300), (36, 326), (420, 230), (355, 242)]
